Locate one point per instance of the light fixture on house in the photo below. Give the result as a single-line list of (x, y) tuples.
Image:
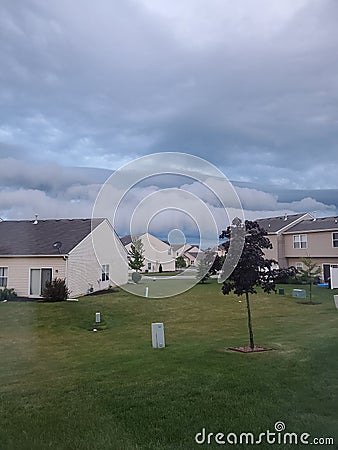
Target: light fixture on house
[(58, 245)]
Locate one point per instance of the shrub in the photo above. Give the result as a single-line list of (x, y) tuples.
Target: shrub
[(160, 269), (56, 291), (7, 294), (136, 277)]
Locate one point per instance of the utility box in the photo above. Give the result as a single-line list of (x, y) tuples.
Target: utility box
[(281, 291), (299, 293), (336, 300), (97, 317), (157, 334)]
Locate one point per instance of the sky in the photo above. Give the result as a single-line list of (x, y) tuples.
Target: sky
[(250, 86)]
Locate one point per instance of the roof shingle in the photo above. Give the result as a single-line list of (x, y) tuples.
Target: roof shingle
[(25, 238)]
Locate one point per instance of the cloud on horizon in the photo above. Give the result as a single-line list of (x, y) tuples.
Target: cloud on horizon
[(53, 191)]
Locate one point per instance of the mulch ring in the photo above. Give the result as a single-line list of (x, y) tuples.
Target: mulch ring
[(248, 349)]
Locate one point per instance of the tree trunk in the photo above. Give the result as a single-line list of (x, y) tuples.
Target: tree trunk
[(252, 345)]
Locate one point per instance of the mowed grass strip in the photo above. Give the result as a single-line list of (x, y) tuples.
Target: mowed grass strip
[(63, 386)]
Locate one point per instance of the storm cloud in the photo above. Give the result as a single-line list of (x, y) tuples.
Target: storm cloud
[(249, 86)]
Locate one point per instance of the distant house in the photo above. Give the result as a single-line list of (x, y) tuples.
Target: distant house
[(32, 253), (156, 253), (303, 236), (219, 250), (188, 252)]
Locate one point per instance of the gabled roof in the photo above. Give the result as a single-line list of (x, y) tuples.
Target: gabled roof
[(276, 224), (126, 239), (320, 224), (26, 238)]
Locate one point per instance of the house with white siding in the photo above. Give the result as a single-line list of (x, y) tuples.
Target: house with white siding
[(87, 253), (156, 252), (189, 253)]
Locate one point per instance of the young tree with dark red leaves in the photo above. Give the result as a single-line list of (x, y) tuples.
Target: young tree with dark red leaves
[(253, 269)]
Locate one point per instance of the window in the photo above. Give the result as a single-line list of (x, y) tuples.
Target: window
[(3, 276), (299, 265), (300, 241), (149, 266), (335, 239), (105, 272)]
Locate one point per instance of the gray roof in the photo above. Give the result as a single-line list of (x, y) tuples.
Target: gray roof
[(24, 237), (320, 224), (275, 224), (126, 239)]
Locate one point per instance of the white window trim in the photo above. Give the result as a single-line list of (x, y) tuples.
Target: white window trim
[(334, 232), (300, 241), (105, 274), (29, 279), (5, 276)]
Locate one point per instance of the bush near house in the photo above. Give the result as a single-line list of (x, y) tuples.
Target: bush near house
[(7, 294), (56, 291)]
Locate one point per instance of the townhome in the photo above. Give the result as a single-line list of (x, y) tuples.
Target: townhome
[(315, 238), (275, 228), (86, 253)]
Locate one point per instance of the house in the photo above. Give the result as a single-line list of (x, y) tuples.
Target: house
[(156, 252), (303, 236), (219, 250), (315, 238), (275, 227), (188, 252), (34, 252)]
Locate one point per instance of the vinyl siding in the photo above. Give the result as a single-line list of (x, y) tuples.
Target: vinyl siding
[(156, 253), (19, 270), (319, 244), (84, 262)]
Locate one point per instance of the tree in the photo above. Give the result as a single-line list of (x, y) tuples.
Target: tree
[(217, 264), (180, 262), (203, 267), (308, 274), (160, 269), (136, 258), (252, 270)]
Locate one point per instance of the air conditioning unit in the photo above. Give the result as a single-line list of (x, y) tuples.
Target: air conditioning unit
[(157, 334)]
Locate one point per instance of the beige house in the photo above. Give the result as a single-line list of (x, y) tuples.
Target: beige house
[(316, 239), (156, 253), (188, 252), (304, 236), (276, 227), (32, 253)]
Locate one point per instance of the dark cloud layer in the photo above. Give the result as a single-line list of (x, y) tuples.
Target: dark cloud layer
[(249, 86)]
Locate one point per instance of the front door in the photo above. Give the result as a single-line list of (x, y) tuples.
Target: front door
[(326, 272), (38, 280)]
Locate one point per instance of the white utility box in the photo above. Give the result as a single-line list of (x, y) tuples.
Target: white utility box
[(157, 335), (336, 300), (98, 317)]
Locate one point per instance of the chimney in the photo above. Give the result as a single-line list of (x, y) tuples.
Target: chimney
[(36, 219)]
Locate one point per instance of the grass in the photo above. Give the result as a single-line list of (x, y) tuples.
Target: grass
[(65, 387)]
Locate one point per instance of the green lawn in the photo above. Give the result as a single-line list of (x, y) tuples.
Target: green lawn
[(65, 387)]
